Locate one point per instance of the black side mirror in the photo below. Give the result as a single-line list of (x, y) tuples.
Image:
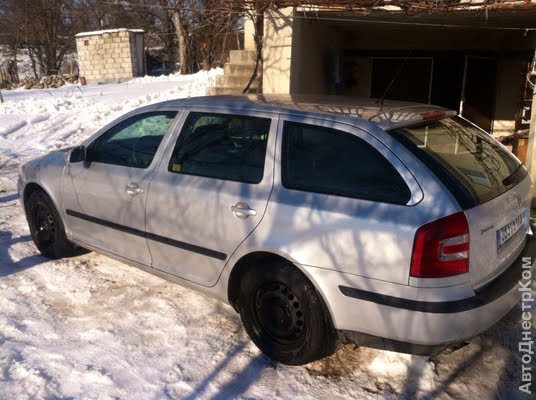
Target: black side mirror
[(78, 154)]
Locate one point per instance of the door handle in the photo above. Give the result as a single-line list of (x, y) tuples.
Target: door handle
[(133, 189), (243, 210)]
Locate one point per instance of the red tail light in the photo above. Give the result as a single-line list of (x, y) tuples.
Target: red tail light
[(441, 248)]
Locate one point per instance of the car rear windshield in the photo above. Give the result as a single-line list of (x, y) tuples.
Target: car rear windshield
[(469, 162)]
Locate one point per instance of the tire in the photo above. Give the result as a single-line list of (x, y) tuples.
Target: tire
[(46, 228), (284, 315)]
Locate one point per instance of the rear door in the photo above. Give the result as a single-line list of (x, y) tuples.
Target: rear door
[(344, 201), (489, 183), (210, 191)]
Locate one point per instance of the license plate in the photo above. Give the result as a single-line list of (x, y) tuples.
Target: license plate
[(510, 229)]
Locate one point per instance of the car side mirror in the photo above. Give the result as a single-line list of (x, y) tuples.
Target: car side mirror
[(78, 154)]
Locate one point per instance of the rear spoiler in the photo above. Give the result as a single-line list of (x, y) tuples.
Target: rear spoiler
[(407, 116)]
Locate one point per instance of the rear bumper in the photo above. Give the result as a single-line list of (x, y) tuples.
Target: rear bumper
[(415, 324)]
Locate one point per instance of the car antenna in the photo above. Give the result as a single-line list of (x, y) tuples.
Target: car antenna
[(381, 100)]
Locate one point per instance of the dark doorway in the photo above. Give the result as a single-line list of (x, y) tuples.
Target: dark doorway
[(479, 91), (412, 81), (447, 81)]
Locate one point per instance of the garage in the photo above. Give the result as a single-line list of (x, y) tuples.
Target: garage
[(475, 62)]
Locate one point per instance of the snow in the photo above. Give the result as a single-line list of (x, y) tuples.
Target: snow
[(38, 120), (92, 33), (93, 328)]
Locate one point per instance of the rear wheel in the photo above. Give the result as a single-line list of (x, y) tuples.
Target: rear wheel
[(284, 315), (47, 228)]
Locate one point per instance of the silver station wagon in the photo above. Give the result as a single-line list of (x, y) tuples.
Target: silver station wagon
[(320, 220)]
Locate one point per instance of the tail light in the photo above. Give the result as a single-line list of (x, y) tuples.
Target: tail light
[(441, 248)]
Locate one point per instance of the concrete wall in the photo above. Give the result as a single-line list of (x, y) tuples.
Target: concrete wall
[(313, 45), (109, 56), (531, 150), (249, 32), (278, 34)]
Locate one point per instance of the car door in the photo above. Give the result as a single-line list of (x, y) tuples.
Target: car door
[(341, 200), (210, 191), (104, 196)]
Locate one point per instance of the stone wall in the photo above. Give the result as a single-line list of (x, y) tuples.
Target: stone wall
[(108, 56)]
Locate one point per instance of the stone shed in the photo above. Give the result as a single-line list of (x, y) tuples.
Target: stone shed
[(112, 55)]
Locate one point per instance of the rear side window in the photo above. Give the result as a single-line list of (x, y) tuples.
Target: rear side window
[(222, 146), (324, 160), (468, 161)]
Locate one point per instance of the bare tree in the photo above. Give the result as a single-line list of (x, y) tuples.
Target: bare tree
[(198, 28), (215, 20), (11, 34), (185, 54), (45, 28), (255, 12), (165, 35)]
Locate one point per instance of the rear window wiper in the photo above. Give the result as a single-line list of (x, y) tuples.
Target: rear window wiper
[(511, 178)]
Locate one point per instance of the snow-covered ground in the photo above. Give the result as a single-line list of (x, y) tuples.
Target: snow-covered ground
[(93, 328), (38, 120)]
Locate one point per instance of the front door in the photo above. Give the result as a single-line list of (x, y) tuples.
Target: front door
[(210, 192), (104, 197)]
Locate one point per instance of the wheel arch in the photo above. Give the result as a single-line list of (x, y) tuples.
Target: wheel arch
[(252, 259)]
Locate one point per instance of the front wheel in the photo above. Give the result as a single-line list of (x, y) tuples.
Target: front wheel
[(284, 315), (47, 229)]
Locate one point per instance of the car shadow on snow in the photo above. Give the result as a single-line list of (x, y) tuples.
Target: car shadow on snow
[(247, 377), (240, 383), (7, 265), (489, 366)]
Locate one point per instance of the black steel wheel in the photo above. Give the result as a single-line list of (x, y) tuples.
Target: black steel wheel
[(47, 229), (284, 315), (45, 225), (278, 311)]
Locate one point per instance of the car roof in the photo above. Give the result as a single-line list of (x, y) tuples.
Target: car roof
[(391, 114)]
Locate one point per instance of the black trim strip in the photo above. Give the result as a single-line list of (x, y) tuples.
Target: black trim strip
[(150, 236), (413, 305), (484, 295), (103, 222), (376, 342), (187, 246)]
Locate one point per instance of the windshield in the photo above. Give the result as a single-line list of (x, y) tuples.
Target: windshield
[(473, 165)]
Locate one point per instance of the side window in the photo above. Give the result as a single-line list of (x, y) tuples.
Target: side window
[(325, 160), (134, 141), (222, 146)]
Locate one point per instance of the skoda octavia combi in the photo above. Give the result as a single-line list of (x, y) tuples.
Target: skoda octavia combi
[(320, 220)]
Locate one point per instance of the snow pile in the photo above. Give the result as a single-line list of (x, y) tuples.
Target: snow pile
[(71, 101), (212, 74), (96, 33), (36, 121)]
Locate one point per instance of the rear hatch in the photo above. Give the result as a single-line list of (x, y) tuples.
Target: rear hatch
[(489, 183)]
